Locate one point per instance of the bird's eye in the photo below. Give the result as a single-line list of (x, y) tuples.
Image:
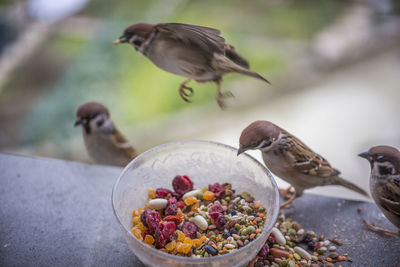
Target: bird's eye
[(100, 122), (380, 158)]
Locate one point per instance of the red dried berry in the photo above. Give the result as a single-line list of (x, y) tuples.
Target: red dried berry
[(182, 184), (216, 189), (220, 221), (271, 238), (263, 253), (172, 200), (176, 195), (171, 210), (181, 204), (145, 232), (144, 215), (214, 215), (177, 220), (216, 208), (189, 229), (168, 230), (162, 192), (152, 221), (160, 239)]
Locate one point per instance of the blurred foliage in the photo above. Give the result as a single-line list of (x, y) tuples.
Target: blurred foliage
[(133, 88)]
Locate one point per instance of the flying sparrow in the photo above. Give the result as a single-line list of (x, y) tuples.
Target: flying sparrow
[(290, 159), (385, 183), (103, 142), (195, 52)]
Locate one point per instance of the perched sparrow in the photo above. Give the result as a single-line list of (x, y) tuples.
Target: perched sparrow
[(385, 183), (195, 52), (290, 159), (104, 143)]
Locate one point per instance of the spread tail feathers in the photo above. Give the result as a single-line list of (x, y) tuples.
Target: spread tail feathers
[(351, 186)]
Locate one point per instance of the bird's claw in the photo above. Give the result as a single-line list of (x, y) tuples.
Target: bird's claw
[(185, 92)]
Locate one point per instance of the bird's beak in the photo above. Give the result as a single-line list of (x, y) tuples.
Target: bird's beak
[(121, 39), (78, 122), (364, 155), (241, 150)]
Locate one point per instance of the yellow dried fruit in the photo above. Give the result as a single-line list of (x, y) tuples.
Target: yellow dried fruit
[(170, 246), (136, 220), (195, 207), (181, 236), (203, 238), (151, 193), (196, 242), (190, 200), (137, 233), (148, 239), (185, 248), (208, 195)]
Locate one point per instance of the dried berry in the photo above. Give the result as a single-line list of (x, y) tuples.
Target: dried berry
[(168, 230), (264, 252), (177, 220), (162, 192), (160, 239), (216, 189), (152, 220), (144, 215), (172, 207), (220, 221), (182, 184), (216, 208), (181, 204), (271, 238), (171, 210), (189, 229), (214, 215)]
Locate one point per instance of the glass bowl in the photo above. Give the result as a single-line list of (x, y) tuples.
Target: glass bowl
[(205, 163)]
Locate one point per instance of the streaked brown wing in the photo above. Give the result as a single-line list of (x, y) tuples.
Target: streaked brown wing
[(122, 143), (309, 162), (206, 39)]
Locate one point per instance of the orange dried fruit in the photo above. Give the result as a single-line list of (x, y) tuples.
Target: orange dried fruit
[(151, 193), (170, 246), (148, 239), (190, 200), (196, 242), (186, 248), (208, 195), (202, 239), (136, 220), (181, 236), (137, 233), (195, 207)]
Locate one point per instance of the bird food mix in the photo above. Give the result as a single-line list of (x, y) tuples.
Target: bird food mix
[(198, 222), (290, 245)]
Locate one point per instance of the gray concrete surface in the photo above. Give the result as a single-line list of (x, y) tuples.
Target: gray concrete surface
[(58, 213)]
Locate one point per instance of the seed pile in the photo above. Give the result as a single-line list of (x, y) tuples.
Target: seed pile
[(290, 245), (198, 222)]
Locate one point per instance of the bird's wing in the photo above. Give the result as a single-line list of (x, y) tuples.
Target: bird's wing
[(122, 143), (230, 52), (207, 39), (310, 163), (389, 193)]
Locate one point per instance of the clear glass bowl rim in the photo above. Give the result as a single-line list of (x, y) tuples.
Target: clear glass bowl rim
[(189, 259)]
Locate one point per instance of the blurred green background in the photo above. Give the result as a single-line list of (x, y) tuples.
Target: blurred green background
[(332, 65)]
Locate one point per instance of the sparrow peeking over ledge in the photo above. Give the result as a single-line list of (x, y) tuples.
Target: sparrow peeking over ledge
[(103, 142), (195, 52), (290, 159)]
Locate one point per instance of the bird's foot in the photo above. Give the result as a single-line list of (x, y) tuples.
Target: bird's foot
[(286, 204), (286, 193), (220, 98), (185, 92), (379, 230)]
